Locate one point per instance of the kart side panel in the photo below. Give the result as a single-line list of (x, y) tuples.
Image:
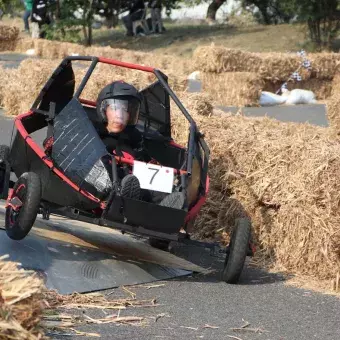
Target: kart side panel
[(155, 109), (78, 150), (54, 189), (148, 215)]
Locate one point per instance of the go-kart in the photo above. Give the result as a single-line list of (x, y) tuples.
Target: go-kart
[(73, 180)]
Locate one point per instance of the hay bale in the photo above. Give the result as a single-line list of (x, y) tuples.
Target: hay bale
[(57, 50), (25, 83), (324, 65), (6, 76), (8, 37), (105, 74), (217, 59), (19, 88), (333, 105), (24, 44), (233, 88), (274, 66), (283, 175), (21, 297)]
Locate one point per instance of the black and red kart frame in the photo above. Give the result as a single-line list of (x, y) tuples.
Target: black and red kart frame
[(62, 196)]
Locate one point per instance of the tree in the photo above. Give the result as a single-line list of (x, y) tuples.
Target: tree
[(272, 11), (322, 18), (213, 8)]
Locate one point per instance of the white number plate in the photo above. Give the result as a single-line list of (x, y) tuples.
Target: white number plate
[(154, 177)]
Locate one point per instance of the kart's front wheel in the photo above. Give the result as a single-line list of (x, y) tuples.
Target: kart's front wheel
[(237, 251), (23, 206)]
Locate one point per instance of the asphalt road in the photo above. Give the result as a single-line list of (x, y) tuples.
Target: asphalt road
[(262, 299)]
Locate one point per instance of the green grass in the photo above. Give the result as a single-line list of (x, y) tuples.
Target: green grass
[(183, 39)]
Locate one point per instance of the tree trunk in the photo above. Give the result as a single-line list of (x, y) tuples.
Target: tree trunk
[(57, 13), (89, 40), (213, 8), (113, 10), (264, 13), (87, 23)]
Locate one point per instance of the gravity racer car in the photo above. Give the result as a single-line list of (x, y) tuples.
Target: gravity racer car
[(69, 181)]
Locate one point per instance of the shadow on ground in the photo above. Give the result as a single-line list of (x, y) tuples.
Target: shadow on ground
[(175, 33)]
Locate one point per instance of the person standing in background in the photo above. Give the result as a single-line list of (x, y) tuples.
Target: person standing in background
[(40, 17), (137, 8), (28, 11), (156, 15)]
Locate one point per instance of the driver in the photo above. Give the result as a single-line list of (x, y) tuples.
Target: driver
[(118, 107)]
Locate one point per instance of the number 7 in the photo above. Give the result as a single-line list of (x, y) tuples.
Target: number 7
[(154, 175)]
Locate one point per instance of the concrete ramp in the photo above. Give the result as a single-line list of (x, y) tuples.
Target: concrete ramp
[(78, 257)]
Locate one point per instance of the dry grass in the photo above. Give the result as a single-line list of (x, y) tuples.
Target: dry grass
[(58, 50), (19, 88), (21, 296), (8, 37), (25, 83), (233, 88), (333, 104), (285, 177), (28, 309), (273, 66)]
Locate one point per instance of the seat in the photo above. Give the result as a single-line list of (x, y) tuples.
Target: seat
[(141, 23)]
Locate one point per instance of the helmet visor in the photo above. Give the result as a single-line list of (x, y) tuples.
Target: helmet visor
[(120, 113)]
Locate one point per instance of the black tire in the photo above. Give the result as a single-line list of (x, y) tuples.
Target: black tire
[(159, 244), (237, 251), (28, 189)]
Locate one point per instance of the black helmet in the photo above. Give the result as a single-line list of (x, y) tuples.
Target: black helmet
[(124, 92)]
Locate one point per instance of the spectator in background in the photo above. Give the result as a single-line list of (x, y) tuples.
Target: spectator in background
[(39, 18), (156, 15), (28, 11), (137, 9)]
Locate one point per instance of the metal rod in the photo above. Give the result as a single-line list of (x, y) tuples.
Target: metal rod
[(166, 86), (87, 76)]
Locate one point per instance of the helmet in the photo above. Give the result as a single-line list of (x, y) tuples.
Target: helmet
[(122, 96)]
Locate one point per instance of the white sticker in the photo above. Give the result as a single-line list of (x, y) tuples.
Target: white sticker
[(154, 177)]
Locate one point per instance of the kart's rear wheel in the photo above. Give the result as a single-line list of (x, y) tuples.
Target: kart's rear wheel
[(237, 251), (23, 206)]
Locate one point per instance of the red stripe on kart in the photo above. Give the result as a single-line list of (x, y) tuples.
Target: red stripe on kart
[(35, 147), (126, 65), (172, 143), (87, 102)]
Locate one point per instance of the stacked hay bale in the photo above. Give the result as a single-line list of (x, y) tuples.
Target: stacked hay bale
[(24, 84), (333, 105), (21, 302), (233, 88), (268, 65), (285, 177), (8, 37), (20, 87), (271, 70), (58, 50)]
